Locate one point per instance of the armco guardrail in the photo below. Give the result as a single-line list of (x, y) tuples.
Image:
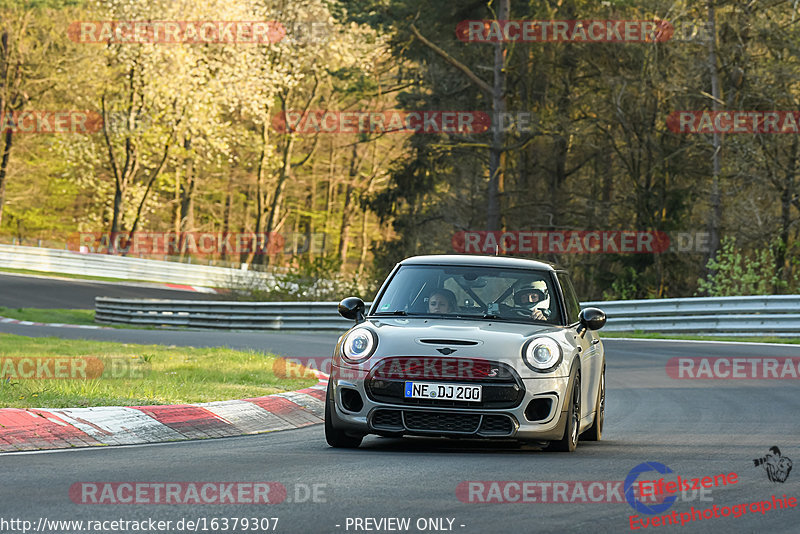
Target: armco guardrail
[(776, 315), (103, 265), (221, 314)]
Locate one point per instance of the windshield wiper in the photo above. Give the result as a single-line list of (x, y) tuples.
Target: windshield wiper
[(476, 316), (396, 312)]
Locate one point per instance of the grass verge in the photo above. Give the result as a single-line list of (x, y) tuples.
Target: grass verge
[(96, 373), (653, 335), (36, 315), (80, 317)]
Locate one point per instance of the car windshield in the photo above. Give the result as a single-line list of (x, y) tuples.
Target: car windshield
[(472, 292)]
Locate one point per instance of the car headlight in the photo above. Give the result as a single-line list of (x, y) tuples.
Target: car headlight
[(359, 345), (542, 354)]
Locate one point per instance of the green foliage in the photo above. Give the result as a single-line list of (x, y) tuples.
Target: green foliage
[(734, 273), (312, 280), (600, 155), (626, 286)]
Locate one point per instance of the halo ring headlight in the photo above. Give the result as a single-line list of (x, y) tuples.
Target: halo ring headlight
[(542, 354), (358, 345)]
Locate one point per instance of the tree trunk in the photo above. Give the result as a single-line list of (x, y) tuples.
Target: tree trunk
[(4, 170), (312, 200), (347, 212), (226, 221), (244, 257), (496, 153), (329, 198), (149, 186), (362, 258), (176, 210), (344, 234), (787, 193), (122, 175), (187, 197), (715, 215), (187, 192), (3, 119), (277, 197), (261, 199)]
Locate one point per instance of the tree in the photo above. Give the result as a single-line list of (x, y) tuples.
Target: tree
[(31, 56)]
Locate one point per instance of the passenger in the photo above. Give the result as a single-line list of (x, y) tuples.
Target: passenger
[(442, 301)]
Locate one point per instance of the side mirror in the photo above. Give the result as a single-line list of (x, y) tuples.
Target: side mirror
[(592, 319), (352, 308)]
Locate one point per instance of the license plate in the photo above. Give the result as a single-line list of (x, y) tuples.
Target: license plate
[(433, 390)]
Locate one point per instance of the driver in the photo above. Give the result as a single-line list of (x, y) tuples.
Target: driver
[(442, 301), (530, 296)]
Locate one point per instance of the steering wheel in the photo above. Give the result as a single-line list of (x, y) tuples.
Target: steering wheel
[(528, 314)]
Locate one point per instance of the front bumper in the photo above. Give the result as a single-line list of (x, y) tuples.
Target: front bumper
[(539, 415)]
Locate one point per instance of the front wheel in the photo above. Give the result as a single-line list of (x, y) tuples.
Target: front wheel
[(569, 440), (334, 436)]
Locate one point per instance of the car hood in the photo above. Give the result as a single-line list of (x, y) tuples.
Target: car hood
[(402, 327), (485, 339)]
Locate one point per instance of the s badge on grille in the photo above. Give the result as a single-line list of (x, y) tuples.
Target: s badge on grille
[(493, 372), (446, 351)]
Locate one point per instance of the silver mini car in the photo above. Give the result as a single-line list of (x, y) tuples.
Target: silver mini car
[(473, 347)]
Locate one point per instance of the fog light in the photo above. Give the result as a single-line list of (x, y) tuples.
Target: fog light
[(351, 400), (538, 409)]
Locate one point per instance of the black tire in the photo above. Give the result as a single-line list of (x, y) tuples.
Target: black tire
[(569, 441), (595, 433), (334, 436)]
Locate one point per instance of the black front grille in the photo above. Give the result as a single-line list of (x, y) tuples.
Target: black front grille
[(387, 420), (442, 421), (499, 425), (501, 386), (416, 421)]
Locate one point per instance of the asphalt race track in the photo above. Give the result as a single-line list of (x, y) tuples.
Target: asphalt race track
[(697, 428), (22, 291)]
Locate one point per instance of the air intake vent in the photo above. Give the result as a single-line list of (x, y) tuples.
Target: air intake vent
[(448, 342)]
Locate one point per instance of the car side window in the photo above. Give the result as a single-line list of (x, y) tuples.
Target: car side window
[(570, 298)]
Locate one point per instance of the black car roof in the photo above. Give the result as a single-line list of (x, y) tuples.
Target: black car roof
[(474, 260)]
